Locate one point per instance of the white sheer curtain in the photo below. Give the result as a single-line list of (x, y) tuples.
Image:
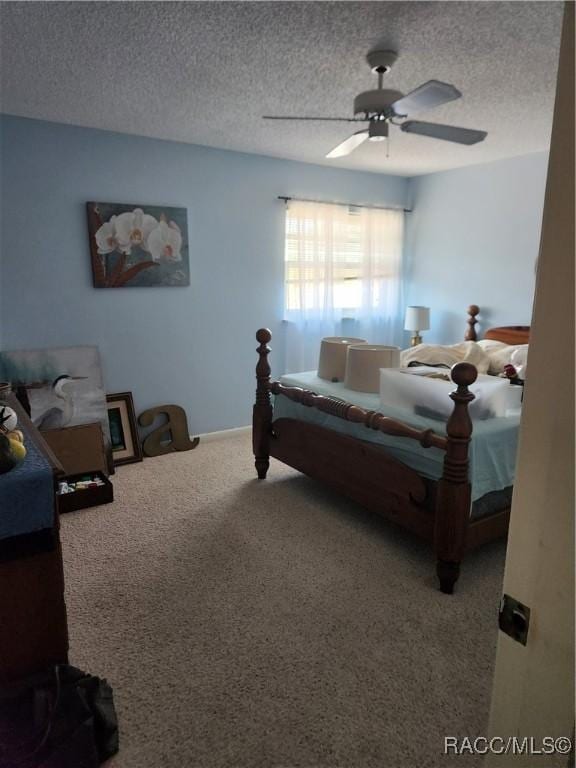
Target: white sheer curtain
[(343, 276)]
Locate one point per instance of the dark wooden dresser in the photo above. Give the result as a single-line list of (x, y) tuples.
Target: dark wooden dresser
[(33, 628)]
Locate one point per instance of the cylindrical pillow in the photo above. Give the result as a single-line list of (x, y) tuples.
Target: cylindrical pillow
[(332, 362), (363, 365)]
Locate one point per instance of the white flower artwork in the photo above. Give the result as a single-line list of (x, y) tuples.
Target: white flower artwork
[(165, 242), (132, 229), (138, 246), (106, 237)]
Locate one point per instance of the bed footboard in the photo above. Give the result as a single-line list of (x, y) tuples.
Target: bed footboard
[(401, 499)]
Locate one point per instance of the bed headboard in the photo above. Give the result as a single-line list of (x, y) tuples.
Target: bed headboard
[(509, 334)]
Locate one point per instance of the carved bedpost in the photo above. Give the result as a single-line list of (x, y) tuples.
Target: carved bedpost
[(453, 500), (471, 335), (262, 411)]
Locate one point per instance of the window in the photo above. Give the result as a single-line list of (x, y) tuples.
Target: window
[(342, 259)]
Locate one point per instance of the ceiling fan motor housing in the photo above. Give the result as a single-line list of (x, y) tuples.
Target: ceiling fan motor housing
[(375, 102)]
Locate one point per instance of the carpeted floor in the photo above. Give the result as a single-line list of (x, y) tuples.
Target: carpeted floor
[(248, 624)]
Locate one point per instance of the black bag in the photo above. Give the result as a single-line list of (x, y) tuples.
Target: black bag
[(60, 718)]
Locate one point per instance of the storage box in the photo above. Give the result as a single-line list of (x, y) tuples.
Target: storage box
[(88, 497), (426, 391), (80, 450)]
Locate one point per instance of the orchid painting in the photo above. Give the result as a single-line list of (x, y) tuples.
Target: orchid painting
[(133, 245)]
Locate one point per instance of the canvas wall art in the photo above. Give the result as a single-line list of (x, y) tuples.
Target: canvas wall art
[(63, 385), (138, 245)]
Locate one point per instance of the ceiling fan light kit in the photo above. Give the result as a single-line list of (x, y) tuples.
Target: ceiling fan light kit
[(378, 130), (382, 107)]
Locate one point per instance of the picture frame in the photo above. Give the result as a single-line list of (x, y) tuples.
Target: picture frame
[(138, 246), (126, 447), (59, 387)]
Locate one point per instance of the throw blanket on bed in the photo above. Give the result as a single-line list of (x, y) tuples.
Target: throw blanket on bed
[(436, 354)]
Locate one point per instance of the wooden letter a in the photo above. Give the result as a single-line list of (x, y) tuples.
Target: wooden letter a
[(171, 436)]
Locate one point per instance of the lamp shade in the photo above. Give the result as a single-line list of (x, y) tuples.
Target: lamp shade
[(417, 319), (332, 362), (363, 365)]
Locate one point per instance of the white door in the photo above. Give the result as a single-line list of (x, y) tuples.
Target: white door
[(533, 694)]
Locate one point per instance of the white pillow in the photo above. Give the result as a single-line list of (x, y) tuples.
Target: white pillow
[(499, 353)]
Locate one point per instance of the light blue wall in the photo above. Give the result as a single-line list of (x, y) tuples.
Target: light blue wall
[(473, 238), (192, 346)]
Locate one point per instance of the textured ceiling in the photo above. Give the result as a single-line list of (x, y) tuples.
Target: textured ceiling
[(205, 72)]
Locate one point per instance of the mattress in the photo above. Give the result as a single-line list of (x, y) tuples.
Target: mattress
[(492, 451)]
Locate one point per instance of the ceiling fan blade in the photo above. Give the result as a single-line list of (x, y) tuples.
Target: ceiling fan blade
[(332, 119), (444, 132), (426, 96), (349, 144)]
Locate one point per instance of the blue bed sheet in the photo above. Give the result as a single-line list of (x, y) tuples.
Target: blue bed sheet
[(492, 448)]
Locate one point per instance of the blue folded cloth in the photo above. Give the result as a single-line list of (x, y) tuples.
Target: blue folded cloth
[(26, 494)]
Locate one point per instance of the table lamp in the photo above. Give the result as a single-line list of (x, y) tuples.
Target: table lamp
[(417, 319)]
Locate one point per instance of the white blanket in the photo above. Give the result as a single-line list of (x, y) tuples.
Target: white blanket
[(500, 354), (437, 354)]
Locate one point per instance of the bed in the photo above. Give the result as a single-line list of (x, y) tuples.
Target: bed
[(435, 479)]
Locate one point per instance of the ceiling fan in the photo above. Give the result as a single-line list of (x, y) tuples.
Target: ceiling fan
[(383, 107)]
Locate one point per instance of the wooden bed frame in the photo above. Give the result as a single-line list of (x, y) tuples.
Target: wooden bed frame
[(436, 511)]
